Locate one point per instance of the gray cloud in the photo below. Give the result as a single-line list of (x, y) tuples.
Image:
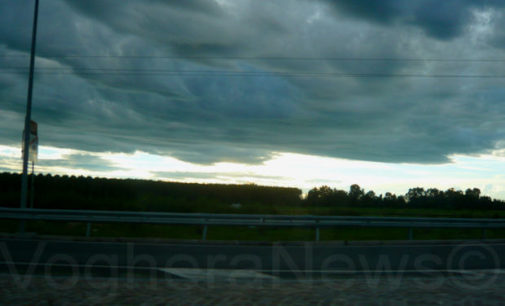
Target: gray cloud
[(274, 95), (80, 161), (68, 161), (209, 175), (439, 19)]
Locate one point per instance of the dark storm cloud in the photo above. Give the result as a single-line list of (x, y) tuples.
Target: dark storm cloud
[(173, 97), (98, 8), (440, 19)]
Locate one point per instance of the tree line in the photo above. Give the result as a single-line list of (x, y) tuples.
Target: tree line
[(71, 192), (417, 197)]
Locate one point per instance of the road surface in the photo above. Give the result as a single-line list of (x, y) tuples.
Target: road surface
[(271, 258), (47, 271)]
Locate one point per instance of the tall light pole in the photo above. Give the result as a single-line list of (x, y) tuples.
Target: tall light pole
[(26, 136)]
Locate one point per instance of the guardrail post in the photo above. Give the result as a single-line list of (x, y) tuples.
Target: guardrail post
[(483, 234), (88, 229), (204, 234), (317, 233), (411, 233)]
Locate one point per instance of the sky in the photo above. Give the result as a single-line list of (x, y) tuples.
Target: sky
[(388, 94)]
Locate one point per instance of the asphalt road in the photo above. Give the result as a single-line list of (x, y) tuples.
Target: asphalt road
[(296, 258), (49, 271)]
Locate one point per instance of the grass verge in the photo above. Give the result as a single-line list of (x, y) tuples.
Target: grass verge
[(244, 233)]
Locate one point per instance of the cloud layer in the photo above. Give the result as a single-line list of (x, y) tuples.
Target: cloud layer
[(210, 81), (439, 19)]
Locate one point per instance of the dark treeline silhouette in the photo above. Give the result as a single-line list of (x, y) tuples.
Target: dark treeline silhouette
[(70, 192), (415, 198)]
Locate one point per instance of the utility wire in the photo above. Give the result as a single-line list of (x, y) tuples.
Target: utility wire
[(267, 58), (224, 73)]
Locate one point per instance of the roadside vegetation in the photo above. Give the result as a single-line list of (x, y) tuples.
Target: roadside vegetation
[(69, 192)]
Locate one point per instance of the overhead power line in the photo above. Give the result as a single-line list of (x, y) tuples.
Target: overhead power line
[(230, 73), (269, 58)]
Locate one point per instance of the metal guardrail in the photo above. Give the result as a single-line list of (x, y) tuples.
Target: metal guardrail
[(205, 220)]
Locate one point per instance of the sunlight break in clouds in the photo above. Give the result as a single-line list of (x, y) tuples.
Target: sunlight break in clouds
[(284, 169)]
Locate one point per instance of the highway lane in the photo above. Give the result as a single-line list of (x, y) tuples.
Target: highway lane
[(40, 290), (297, 258)]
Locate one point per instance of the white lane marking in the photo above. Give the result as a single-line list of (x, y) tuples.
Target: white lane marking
[(206, 274), (302, 244), (264, 273)]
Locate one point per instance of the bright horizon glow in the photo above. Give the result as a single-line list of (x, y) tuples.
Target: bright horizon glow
[(284, 169)]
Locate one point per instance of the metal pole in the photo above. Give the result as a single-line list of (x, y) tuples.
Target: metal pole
[(204, 234), (32, 191), (24, 177), (88, 229)]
